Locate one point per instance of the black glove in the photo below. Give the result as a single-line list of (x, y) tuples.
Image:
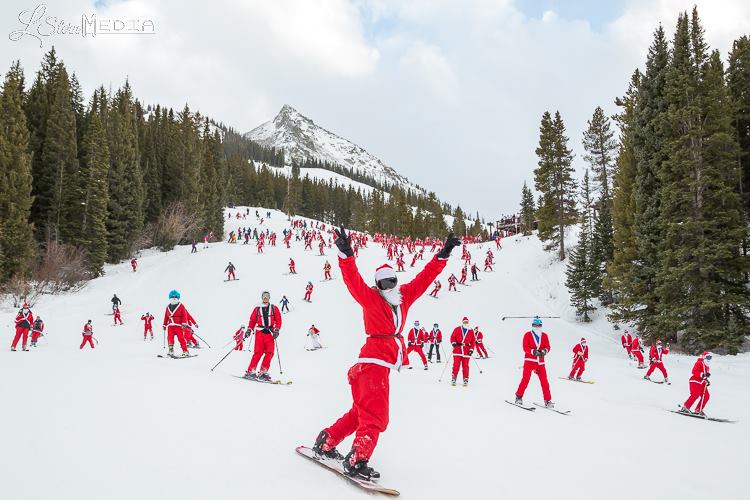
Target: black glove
[(343, 242), (706, 375), (451, 242), (471, 352), (247, 334), (708, 383), (275, 333), (456, 344), (542, 353), (266, 330)]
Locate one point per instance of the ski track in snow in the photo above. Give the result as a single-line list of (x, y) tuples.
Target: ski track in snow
[(119, 423)]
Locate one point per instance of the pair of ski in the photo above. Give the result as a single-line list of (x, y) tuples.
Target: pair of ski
[(532, 408), (703, 417), (577, 380), (172, 356), (236, 279), (272, 381)]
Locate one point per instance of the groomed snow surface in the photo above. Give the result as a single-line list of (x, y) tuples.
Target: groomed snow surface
[(117, 422)]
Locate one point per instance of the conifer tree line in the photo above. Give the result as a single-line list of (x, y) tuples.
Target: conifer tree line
[(664, 211), (100, 175)]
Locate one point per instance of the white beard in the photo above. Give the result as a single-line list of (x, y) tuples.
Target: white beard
[(392, 296)]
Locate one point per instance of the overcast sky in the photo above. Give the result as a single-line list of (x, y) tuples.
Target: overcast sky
[(449, 93)]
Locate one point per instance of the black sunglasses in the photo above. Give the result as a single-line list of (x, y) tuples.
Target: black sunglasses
[(387, 283)]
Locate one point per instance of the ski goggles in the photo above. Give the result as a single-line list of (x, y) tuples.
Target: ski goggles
[(387, 283), (708, 357)]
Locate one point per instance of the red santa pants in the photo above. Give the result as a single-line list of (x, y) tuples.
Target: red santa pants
[(656, 365), (461, 360), (368, 416), (264, 347), (176, 331), (89, 339), (434, 292), (452, 286), (19, 333), (35, 334), (146, 330), (327, 275), (118, 318), (188, 336), (307, 295), (699, 392), (481, 350), (578, 366), (638, 355), (418, 349), (530, 367), (231, 276)]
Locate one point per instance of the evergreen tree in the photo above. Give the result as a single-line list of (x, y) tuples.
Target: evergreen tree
[(553, 179), (459, 224), (16, 231), (600, 146), (527, 210), (583, 277), (738, 80)]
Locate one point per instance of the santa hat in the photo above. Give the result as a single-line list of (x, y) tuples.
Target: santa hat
[(583, 339), (25, 305), (465, 320), (384, 272)]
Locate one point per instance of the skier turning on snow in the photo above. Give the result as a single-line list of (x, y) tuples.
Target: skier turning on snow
[(176, 317), (636, 349), (308, 291), (239, 338), (580, 357), (117, 315), (265, 320), (699, 382), (462, 340), (385, 307), (654, 356), (535, 348), (479, 337), (284, 304), (88, 335), (314, 335)]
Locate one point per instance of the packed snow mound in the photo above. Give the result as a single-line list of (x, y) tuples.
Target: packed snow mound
[(117, 422), (300, 139)]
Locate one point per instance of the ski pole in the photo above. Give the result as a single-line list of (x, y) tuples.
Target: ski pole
[(444, 368), (278, 355), (222, 359), (528, 317), (477, 363), (490, 349), (204, 341), (97, 340)]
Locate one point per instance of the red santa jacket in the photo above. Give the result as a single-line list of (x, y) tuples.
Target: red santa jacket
[(466, 339), (239, 334), (530, 343), (700, 372), (384, 322), (313, 331), (436, 336), (636, 345), (417, 336), (438, 285), (177, 316), (580, 352), (24, 320), (656, 354), (148, 319), (260, 319), (309, 287), (38, 326), (87, 329), (479, 336), (626, 340)]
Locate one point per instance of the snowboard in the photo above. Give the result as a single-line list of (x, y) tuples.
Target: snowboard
[(523, 407), (272, 382), (579, 381), (176, 357), (712, 419), (335, 466), (561, 412), (657, 381), (232, 280)]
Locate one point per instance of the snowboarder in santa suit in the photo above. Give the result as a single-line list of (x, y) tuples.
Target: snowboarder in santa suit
[(24, 322), (36, 330), (230, 271), (699, 385), (88, 335), (292, 269), (654, 357), (479, 337), (416, 340), (176, 317), (314, 335), (308, 291), (636, 349), (436, 338), (148, 320), (437, 288), (266, 322), (385, 307), (117, 315), (627, 341), (462, 340), (535, 348), (580, 357)]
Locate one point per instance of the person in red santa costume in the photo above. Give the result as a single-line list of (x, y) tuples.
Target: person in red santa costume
[(580, 357), (627, 341), (636, 349), (385, 307), (176, 316), (699, 385), (265, 321), (479, 338), (463, 341), (655, 357), (535, 348), (24, 321), (416, 339)]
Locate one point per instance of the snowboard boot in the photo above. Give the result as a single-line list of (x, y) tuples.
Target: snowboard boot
[(250, 375), (360, 469), (466, 382), (519, 400), (549, 404), (453, 380), (320, 445), (425, 367), (265, 377)]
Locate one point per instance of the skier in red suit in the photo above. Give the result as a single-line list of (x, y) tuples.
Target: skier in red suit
[(416, 340), (636, 349), (292, 268), (435, 338), (148, 319), (176, 316), (627, 341), (437, 288), (190, 340), (36, 330), (479, 337), (462, 281), (385, 307), (24, 321), (88, 335), (134, 264), (239, 338), (462, 340), (400, 262), (327, 271), (117, 315), (452, 282), (308, 291), (535, 348), (654, 356), (265, 320), (580, 357), (699, 385)]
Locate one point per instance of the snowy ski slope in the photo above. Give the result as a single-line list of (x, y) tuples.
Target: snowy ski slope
[(119, 423)]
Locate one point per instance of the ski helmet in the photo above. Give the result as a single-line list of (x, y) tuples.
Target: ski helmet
[(537, 322), (174, 294)]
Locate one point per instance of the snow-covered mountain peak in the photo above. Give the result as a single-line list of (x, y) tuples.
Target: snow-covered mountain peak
[(302, 139)]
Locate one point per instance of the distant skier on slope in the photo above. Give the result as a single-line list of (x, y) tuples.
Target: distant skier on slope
[(437, 288), (284, 304), (415, 342), (24, 322), (117, 316), (239, 338), (655, 358), (479, 337), (462, 340), (88, 335), (385, 308), (636, 349), (535, 347), (265, 320), (452, 280), (314, 335), (308, 291), (292, 268), (176, 316), (36, 330), (148, 319), (134, 264), (580, 358), (436, 338), (627, 341), (699, 382), (230, 271), (116, 302), (327, 271)]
